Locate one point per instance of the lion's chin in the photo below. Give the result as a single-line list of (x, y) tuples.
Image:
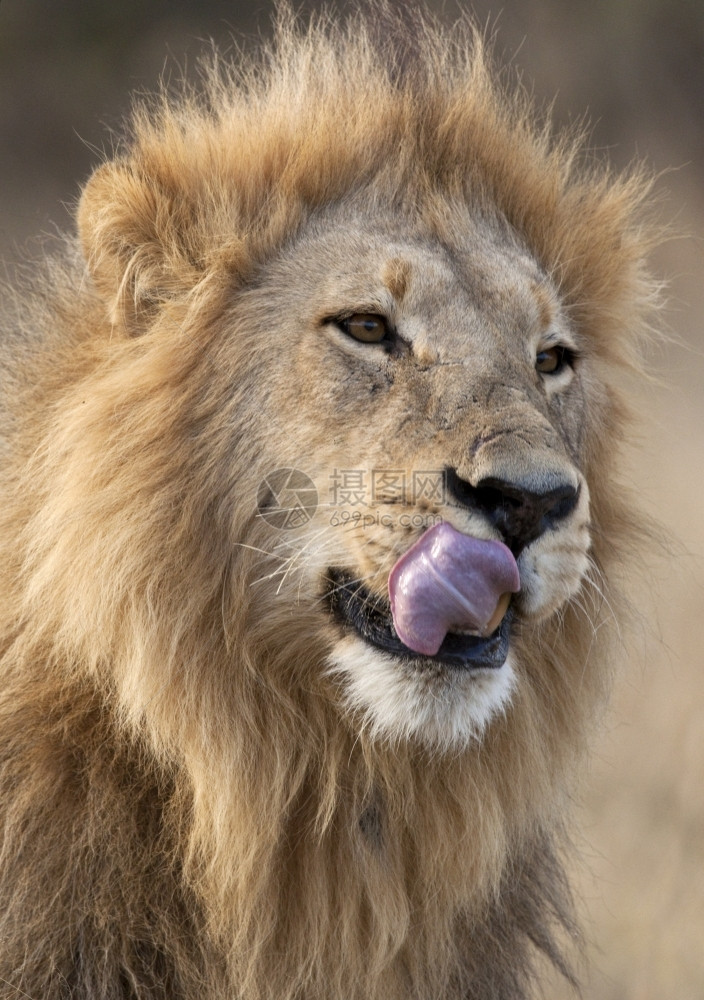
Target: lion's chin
[(443, 701), (419, 699)]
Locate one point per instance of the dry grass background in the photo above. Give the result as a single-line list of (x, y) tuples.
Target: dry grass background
[(637, 67), (641, 836)]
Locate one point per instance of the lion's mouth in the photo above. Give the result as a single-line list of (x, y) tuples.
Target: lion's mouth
[(357, 609)]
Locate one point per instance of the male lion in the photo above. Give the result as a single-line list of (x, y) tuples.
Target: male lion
[(248, 755)]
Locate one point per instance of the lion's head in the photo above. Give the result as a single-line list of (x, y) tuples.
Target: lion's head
[(417, 365), (426, 370), (339, 318)]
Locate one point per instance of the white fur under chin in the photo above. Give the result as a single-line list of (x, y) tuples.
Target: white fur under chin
[(442, 708)]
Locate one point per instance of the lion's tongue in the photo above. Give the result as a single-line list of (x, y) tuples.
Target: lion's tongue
[(448, 582)]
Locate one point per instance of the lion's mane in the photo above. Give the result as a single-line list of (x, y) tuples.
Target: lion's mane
[(186, 812)]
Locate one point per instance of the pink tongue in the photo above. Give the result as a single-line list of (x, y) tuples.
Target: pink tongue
[(448, 582)]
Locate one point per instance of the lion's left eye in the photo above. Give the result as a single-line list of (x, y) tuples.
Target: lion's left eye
[(365, 327), (552, 360)]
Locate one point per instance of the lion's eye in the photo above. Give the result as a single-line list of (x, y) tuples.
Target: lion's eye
[(366, 327), (552, 360)]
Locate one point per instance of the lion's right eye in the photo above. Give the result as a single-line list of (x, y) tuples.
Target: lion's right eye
[(552, 360), (365, 327)]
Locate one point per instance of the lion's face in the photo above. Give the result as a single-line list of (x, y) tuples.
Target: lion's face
[(419, 376)]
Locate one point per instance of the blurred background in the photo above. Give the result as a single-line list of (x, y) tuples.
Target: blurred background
[(636, 67)]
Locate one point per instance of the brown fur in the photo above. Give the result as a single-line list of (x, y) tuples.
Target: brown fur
[(189, 809)]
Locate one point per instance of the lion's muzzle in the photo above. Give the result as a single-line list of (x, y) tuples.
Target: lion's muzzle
[(519, 513)]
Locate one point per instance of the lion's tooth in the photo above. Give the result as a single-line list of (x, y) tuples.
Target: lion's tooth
[(498, 615)]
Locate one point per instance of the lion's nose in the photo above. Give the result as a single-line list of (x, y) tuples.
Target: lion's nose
[(520, 514)]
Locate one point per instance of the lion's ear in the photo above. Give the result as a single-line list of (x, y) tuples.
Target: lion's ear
[(134, 234)]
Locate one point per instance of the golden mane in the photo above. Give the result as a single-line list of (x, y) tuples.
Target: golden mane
[(186, 811)]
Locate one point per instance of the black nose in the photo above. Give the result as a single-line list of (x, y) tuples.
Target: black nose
[(519, 514)]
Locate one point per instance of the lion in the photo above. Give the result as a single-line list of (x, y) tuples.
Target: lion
[(312, 534)]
